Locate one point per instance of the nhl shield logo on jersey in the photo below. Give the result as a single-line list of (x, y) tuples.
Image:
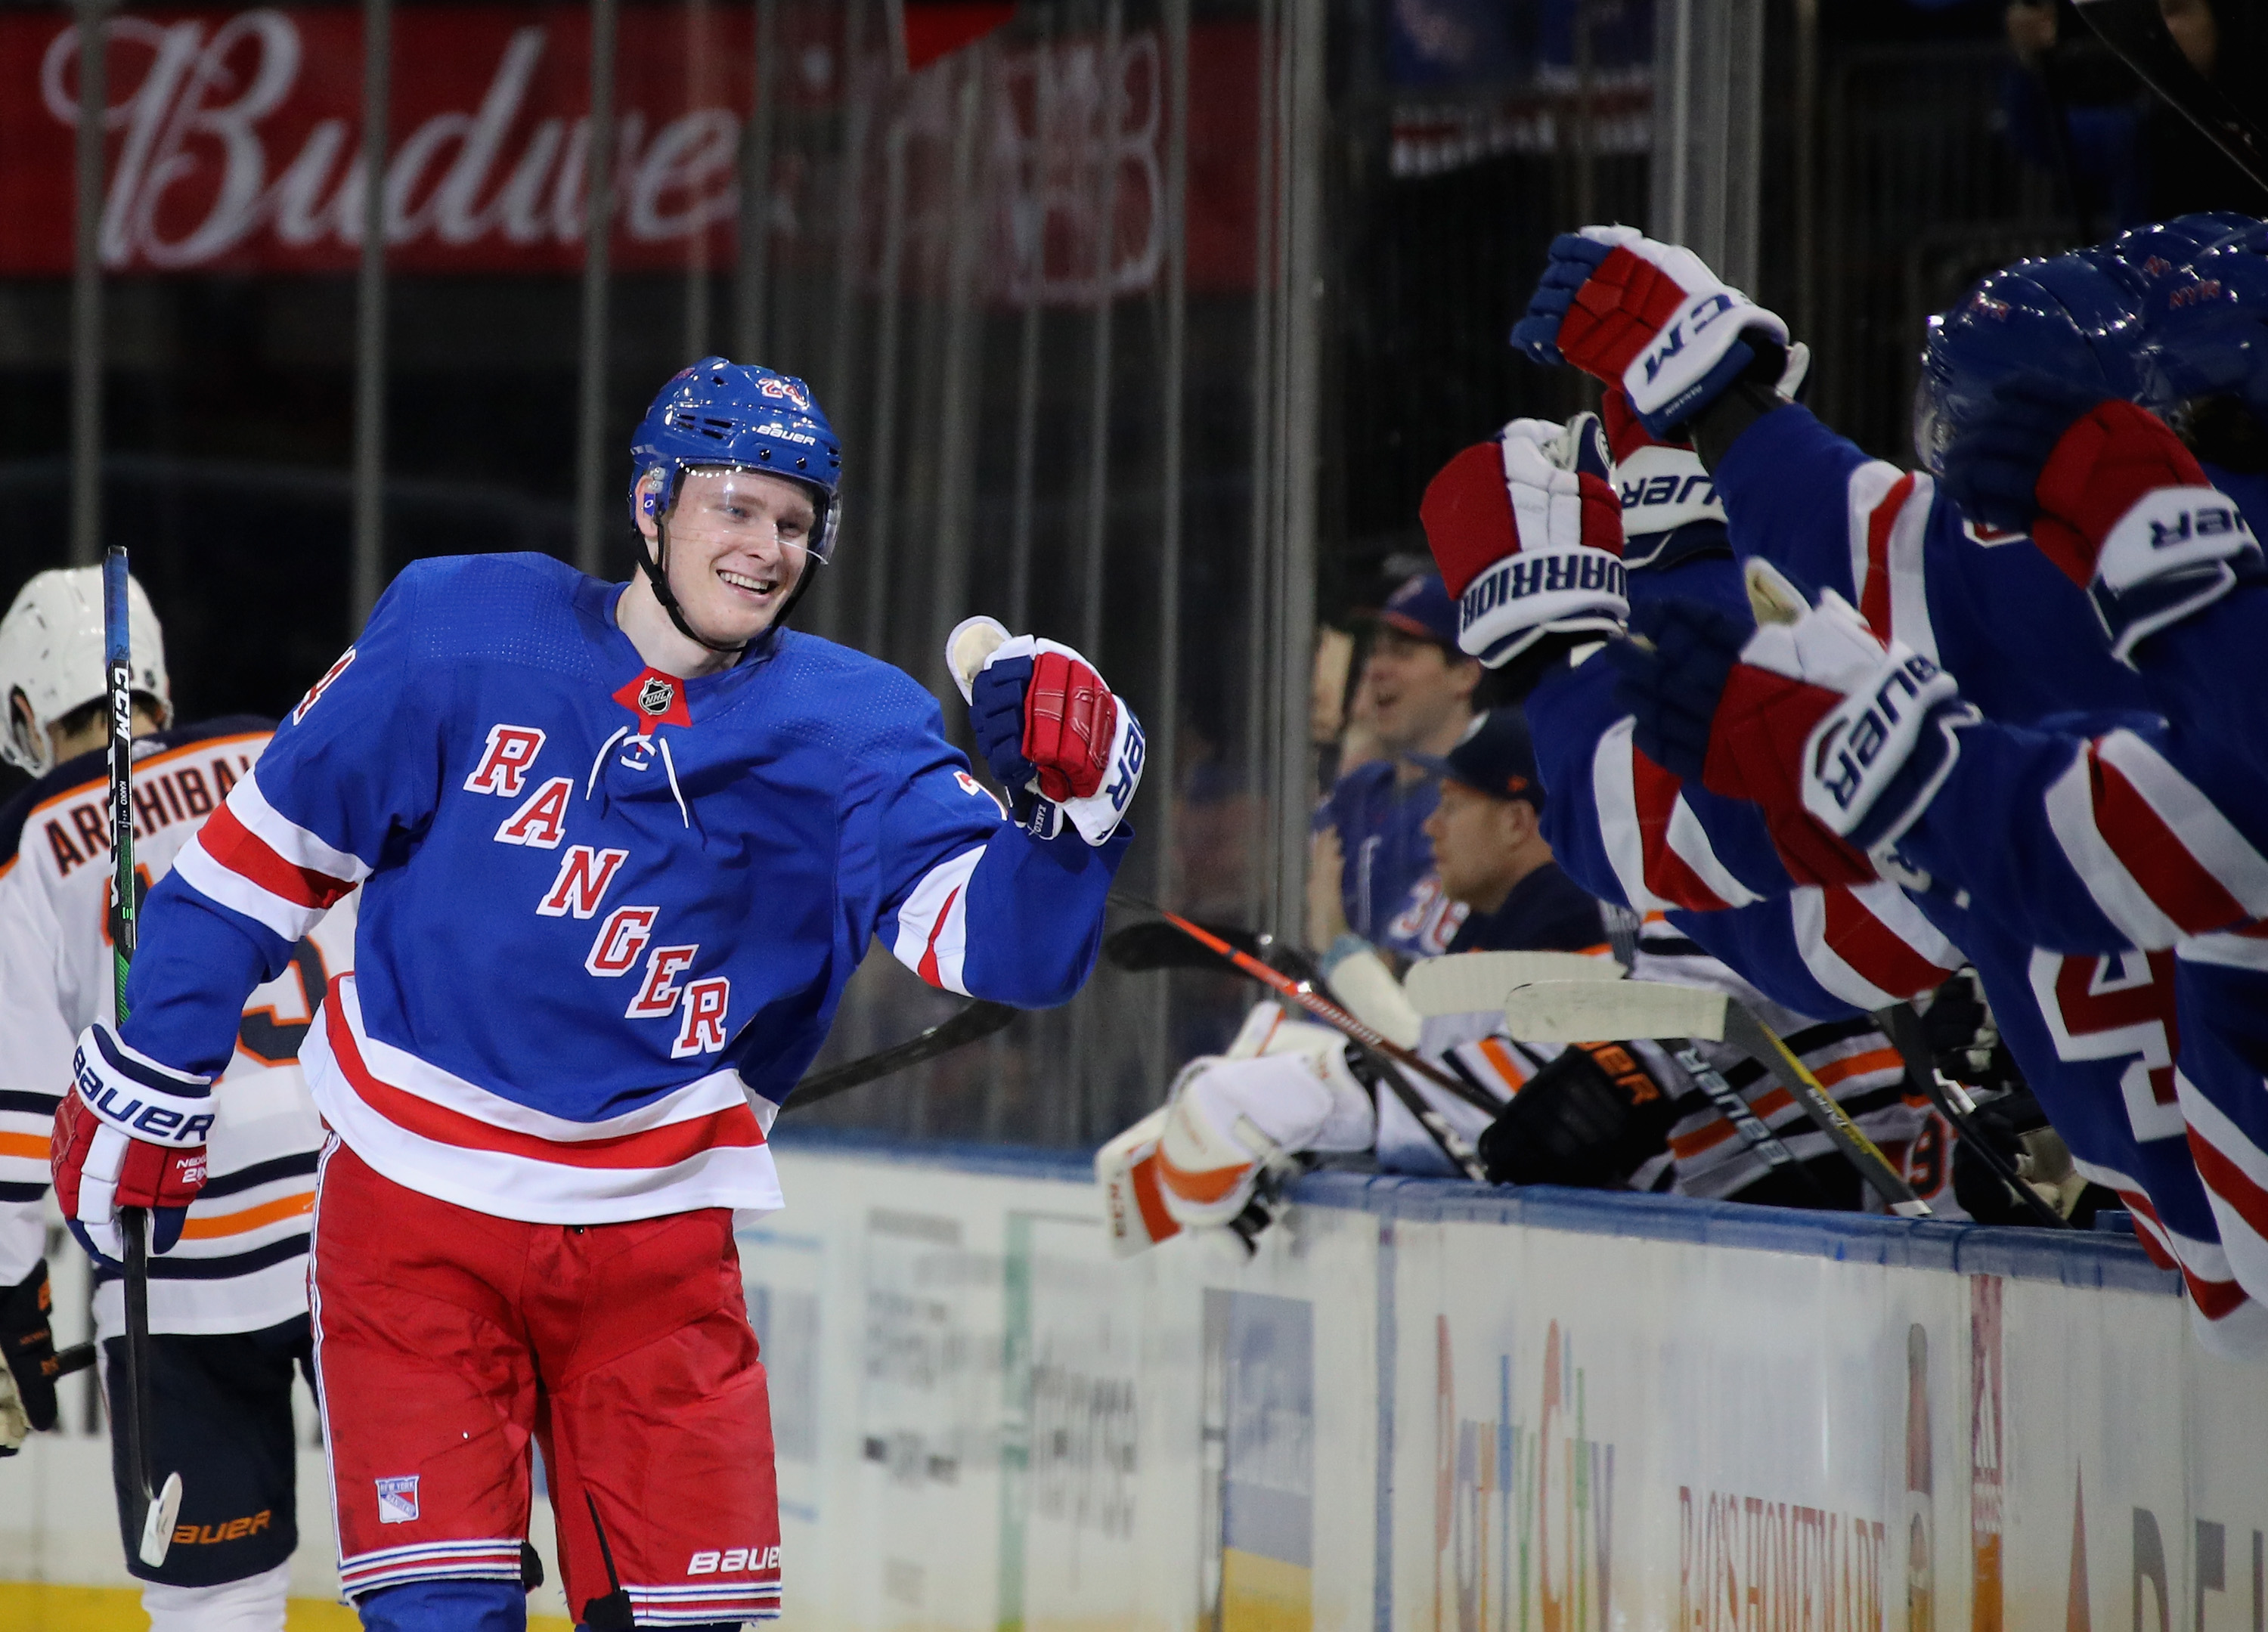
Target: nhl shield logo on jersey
[(397, 1500), (652, 695), (656, 695)]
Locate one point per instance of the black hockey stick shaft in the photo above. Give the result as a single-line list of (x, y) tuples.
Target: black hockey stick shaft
[(133, 1222), (613, 1612), (975, 1022), (1902, 1024), (1387, 1054)]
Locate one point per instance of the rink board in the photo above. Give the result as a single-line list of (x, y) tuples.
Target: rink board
[(1431, 1405)]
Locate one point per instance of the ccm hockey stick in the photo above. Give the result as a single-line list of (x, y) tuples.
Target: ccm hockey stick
[(2137, 32), (154, 1506), (1385, 1053), (1585, 1010)]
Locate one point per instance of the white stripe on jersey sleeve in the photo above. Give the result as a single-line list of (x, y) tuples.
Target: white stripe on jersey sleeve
[(2209, 837), (932, 938), (294, 843), (1614, 791), (288, 920), (2070, 806)]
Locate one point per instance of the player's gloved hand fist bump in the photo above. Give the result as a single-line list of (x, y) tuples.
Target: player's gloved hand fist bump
[(1050, 729), (27, 1348), (1869, 731), (2109, 496), (1527, 530), (1230, 1121), (1650, 316), (130, 1133)]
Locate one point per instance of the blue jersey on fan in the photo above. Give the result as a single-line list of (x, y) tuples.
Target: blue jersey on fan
[(600, 904), (1392, 896)]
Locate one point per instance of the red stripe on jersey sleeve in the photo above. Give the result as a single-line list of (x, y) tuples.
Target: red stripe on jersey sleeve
[(1874, 594), (656, 1147), (1878, 952), (929, 970), (246, 854), (2177, 884), (1655, 793)]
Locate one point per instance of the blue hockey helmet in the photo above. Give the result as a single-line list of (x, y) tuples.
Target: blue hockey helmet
[(720, 413), (2206, 325), (2067, 317)]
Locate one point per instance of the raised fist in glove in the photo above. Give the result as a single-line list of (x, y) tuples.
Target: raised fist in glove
[(130, 1133), (1049, 728), (1527, 532), (1648, 316), (27, 1347), (2110, 495)]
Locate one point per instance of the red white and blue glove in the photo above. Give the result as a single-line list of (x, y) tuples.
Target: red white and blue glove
[(1648, 316), (130, 1133), (1063, 746), (1840, 740), (2110, 495), (1527, 532), (1670, 507)]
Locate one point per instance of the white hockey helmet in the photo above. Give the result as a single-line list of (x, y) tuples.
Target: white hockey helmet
[(51, 656)]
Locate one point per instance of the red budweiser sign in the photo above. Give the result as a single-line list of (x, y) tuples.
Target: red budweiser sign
[(234, 143)]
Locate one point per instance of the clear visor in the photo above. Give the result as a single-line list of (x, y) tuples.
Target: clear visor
[(765, 516)]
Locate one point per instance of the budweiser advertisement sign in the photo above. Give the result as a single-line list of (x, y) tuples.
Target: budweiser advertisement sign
[(234, 143)]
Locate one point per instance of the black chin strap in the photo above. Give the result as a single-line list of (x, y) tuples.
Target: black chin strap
[(655, 564)]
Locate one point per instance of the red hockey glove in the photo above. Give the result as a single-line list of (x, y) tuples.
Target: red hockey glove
[(1051, 731), (2129, 516), (1648, 316), (1863, 735), (131, 1133), (1527, 532)]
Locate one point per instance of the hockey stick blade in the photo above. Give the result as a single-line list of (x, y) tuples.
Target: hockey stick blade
[(1613, 1012), (1471, 982), (2137, 32), (977, 1020), (157, 1524), (1902, 1024)]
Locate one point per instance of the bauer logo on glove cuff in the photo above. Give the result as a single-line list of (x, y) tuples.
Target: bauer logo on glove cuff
[(2170, 530), (1879, 735), (116, 1086)]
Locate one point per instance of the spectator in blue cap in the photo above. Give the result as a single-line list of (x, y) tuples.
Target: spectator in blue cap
[(1489, 851), (1371, 873)]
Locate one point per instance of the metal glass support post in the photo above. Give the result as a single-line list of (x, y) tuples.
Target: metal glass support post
[(369, 572), (591, 463), (1301, 428), (1259, 584), (831, 595), (755, 198), (1108, 87), (1020, 518), (882, 486), (959, 374), (86, 286), (700, 70)]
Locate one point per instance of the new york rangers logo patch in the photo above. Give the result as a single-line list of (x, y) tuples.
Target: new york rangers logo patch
[(397, 1500), (656, 695)]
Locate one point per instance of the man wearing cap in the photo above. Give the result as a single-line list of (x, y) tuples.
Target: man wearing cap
[(1489, 851), (1370, 832)]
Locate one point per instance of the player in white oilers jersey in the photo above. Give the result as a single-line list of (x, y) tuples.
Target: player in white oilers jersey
[(228, 1305)]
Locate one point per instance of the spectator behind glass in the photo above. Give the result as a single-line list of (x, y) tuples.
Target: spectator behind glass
[(1490, 850), (1371, 872), (2148, 162)]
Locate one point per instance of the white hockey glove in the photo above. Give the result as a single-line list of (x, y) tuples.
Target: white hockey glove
[(1527, 532), (1060, 742), (1232, 1122)]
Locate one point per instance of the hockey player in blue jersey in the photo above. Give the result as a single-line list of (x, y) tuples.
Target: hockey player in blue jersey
[(620, 847), (1693, 352)]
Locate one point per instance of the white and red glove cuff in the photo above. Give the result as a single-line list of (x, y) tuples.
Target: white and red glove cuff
[(2174, 553), (140, 1097), (1875, 760), (1538, 593)]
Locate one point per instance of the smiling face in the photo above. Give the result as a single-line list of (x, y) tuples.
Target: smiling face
[(1418, 692), (738, 542)]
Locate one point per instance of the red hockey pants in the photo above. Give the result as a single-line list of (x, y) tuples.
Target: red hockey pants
[(446, 1338)]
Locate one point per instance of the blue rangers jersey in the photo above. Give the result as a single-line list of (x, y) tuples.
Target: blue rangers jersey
[(608, 914), (241, 1264)]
